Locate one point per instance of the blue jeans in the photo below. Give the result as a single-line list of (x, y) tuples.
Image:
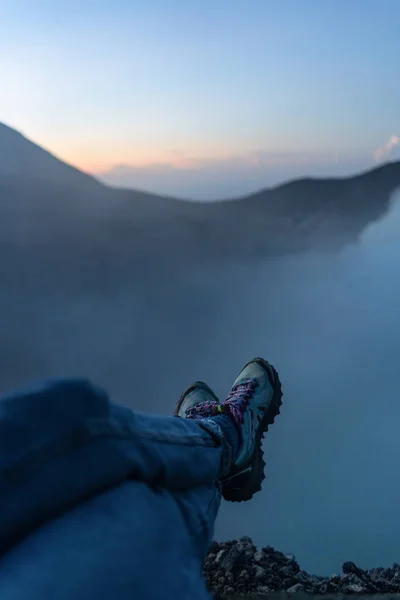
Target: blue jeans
[(99, 502)]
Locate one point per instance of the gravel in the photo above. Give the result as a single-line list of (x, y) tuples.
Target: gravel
[(238, 568)]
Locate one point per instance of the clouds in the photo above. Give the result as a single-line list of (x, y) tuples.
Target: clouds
[(387, 150), (331, 324), (186, 176)]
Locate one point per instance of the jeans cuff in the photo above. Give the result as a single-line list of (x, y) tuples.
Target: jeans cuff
[(217, 434)]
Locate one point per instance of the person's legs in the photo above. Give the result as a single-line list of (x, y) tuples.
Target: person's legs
[(64, 441), (98, 502), (129, 499)]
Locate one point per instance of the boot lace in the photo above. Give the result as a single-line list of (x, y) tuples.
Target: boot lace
[(234, 405)]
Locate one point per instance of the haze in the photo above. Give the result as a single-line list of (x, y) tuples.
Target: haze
[(329, 322), (332, 326)]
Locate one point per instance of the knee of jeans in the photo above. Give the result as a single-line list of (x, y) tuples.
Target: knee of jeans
[(78, 387), (68, 398)]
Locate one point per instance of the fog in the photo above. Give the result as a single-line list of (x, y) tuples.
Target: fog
[(331, 326)]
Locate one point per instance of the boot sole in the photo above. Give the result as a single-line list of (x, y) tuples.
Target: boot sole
[(243, 485)]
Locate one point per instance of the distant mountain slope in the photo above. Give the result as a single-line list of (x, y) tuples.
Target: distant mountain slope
[(21, 157), (67, 221), (302, 214), (315, 213)]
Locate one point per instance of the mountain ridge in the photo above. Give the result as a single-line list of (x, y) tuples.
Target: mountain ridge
[(70, 214), (21, 156), (14, 134)]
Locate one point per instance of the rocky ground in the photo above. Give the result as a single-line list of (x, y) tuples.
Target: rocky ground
[(237, 568)]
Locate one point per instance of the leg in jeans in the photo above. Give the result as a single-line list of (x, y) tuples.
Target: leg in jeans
[(99, 502)]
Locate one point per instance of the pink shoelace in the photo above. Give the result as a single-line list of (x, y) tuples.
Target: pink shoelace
[(234, 405)]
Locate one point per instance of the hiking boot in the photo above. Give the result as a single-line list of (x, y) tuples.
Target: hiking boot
[(197, 395), (254, 402)]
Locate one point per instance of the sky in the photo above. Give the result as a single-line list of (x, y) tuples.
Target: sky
[(204, 98)]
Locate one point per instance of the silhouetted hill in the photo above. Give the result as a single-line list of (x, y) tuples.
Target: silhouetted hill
[(22, 158), (300, 215), (67, 221)]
